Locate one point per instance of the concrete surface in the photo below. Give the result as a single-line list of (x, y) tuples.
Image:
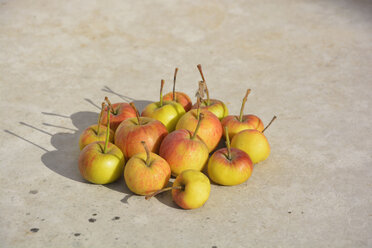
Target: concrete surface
[(308, 62)]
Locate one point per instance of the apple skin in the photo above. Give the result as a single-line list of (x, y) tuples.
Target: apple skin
[(89, 135), (123, 111), (197, 188), (129, 135), (181, 98), (235, 126), (142, 179), (252, 142), (228, 172), (98, 167), (182, 153), (210, 130), (217, 107), (168, 114)]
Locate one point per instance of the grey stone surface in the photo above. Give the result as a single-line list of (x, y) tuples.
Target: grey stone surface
[(308, 62)]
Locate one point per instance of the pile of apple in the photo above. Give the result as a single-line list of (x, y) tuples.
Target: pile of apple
[(173, 137)]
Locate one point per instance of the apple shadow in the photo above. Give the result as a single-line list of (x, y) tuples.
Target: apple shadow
[(166, 197), (140, 104)]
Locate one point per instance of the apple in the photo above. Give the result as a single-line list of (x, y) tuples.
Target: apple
[(190, 190), (119, 112), (217, 107), (183, 150), (229, 166), (167, 112), (236, 124), (95, 133), (132, 131), (179, 97), (254, 143), (101, 162), (210, 130), (146, 172)]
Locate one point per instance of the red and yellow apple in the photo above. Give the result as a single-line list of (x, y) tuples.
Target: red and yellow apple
[(242, 122), (119, 112), (146, 172), (229, 166), (179, 97), (132, 131), (183, 150), (210, 130)]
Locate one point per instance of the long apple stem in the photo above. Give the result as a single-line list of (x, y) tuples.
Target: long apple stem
[(201, 72), (100, 117), (198, 109), (107, 130), (137, 113), (174, 84), (268, 125), (198, 125), (243, 104), (161, 92), (110, 106), (148, 197), (228, 143), (207, 92), (205, 84), (147, 153)]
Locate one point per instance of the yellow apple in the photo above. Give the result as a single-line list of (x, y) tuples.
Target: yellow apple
[(167, 112), (254, 143), (191, 189), (101, 162)]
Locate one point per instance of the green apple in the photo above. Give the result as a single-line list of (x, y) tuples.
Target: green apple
[(254, 143), (167, 112), (146, 172), (101, 162)]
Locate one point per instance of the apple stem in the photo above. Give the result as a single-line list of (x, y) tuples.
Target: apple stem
[(268, 125), (161, 92), (243, 104), (100, 117), (174, 84), (207, 92), (107, 130), (137, 113), (148, 197), (201, 72), (147, 153), (205, 84), (110, 106), (228, 143), (198, 110), (198, 125)]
